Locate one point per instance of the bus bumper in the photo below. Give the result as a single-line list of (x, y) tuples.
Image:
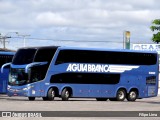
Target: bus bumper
[(17, 91)]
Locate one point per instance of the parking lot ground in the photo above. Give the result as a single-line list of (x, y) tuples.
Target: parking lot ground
[(84, 106)]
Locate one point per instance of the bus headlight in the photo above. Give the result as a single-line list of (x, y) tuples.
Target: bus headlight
[(28, 87), (25, 89), (8, 87)]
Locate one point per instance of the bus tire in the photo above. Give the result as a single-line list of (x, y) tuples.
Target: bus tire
[(65, 94), (132, 95), (51, 94), (45, 98), (31, 98), (101, 99), (121, 95)]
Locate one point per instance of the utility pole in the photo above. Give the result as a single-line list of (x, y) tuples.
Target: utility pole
[(24, 39), (3, 39)]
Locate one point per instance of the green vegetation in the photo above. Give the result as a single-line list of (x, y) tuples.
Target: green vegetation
[(156, 28)]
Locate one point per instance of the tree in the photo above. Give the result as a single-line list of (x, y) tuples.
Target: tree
[(156, 27)]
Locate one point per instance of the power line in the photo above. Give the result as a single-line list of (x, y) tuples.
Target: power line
[(66, 40), (3, 39)]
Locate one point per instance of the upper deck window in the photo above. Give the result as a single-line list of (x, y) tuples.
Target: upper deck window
[(45, 54), (24, 56), (106, 57)]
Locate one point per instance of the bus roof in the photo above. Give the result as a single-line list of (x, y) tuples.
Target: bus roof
[(39, 47), (6, 53), (89, 48), (105, 49)]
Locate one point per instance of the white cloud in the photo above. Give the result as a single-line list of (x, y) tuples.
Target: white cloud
[(49, 18), (80, 19)]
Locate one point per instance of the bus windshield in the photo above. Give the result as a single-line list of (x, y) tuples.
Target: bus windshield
[(24, 56), (18, 77), (36, 73)]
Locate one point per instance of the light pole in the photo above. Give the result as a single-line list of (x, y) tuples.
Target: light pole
[(3, 41), (24, 39)]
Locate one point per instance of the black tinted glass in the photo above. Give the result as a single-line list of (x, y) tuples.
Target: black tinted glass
[(24, 56), (106, 57)]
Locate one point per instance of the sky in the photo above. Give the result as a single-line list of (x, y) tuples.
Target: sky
[(83, 23)]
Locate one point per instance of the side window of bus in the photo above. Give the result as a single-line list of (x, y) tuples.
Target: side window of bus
[(76, 56), (61, 57), (82, 78), (105, 57), (43, 55)]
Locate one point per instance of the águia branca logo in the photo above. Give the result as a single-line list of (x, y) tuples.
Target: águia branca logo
[(75, 67)]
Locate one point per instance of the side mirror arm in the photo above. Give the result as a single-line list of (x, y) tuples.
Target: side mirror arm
[(4, 65), (34, 64)]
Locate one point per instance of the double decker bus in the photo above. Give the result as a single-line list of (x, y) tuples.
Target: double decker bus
[(72, 72), (5, 57)]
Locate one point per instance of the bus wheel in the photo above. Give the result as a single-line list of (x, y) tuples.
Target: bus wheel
[(31, 98), (50, 95), (101, 99), (121, 95), (132, 96), (45, 98), (65, 94)]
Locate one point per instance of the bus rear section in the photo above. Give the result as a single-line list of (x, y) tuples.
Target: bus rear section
[(5, 57)]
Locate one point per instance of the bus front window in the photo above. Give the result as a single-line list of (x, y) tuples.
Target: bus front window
[(18, 77)]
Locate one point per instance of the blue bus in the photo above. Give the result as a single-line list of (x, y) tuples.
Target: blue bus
[(72, 72), (5, 57)]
